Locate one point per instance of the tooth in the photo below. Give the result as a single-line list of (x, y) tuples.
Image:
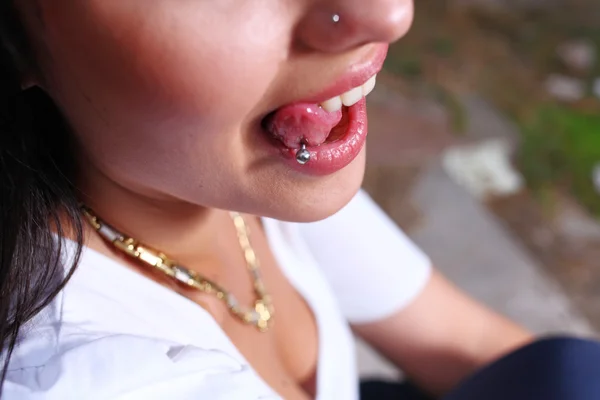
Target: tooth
[(352, 96), (369, 86), (333, 104)]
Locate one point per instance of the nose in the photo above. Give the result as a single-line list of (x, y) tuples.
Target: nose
[(341, 25)]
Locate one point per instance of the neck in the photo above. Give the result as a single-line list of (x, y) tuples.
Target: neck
[(180, 229)]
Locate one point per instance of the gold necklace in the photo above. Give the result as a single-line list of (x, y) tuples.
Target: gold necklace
[(260, 315)]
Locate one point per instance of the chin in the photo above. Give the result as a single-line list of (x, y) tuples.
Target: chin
[(318, 198)]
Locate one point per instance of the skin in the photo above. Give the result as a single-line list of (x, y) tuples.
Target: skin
[(165, 99)]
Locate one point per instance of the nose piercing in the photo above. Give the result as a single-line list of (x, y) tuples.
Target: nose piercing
[(303, 155), (335, 18)]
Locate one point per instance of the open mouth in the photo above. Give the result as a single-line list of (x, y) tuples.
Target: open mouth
[(315, 124), (325, 133)]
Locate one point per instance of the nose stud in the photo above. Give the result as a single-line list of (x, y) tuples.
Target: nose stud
[(303, 155), (335, 18)]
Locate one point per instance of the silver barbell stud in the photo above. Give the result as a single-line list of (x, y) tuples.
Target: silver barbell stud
[(303, 155)]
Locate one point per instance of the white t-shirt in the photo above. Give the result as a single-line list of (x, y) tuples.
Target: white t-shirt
[(114, 334)]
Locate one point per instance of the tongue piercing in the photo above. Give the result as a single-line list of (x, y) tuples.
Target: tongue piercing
[(303, 155)]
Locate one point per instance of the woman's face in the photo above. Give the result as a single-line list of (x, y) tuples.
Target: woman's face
[(181, 99)]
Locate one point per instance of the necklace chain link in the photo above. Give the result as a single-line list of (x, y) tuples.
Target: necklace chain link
[(260, 315)]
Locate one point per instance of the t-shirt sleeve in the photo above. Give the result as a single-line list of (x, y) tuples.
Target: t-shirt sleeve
[(131, 367), (371, 265)]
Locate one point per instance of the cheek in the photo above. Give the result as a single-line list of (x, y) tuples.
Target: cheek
[(162, 68)]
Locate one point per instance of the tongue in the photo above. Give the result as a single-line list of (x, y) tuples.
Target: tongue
[(302, 123)]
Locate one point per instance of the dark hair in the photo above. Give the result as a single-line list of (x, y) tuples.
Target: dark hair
[(38, 203)]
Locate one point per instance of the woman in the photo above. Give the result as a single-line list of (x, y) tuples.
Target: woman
[(130, 127)]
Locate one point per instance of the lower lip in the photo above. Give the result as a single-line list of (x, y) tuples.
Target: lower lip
[(329, 158)]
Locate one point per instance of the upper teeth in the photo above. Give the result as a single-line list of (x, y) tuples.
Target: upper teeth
[(350, 98)]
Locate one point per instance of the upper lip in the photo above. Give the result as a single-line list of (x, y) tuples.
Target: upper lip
[(356, 75)]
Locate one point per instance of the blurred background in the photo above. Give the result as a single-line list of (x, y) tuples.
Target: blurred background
[(485, 147)]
